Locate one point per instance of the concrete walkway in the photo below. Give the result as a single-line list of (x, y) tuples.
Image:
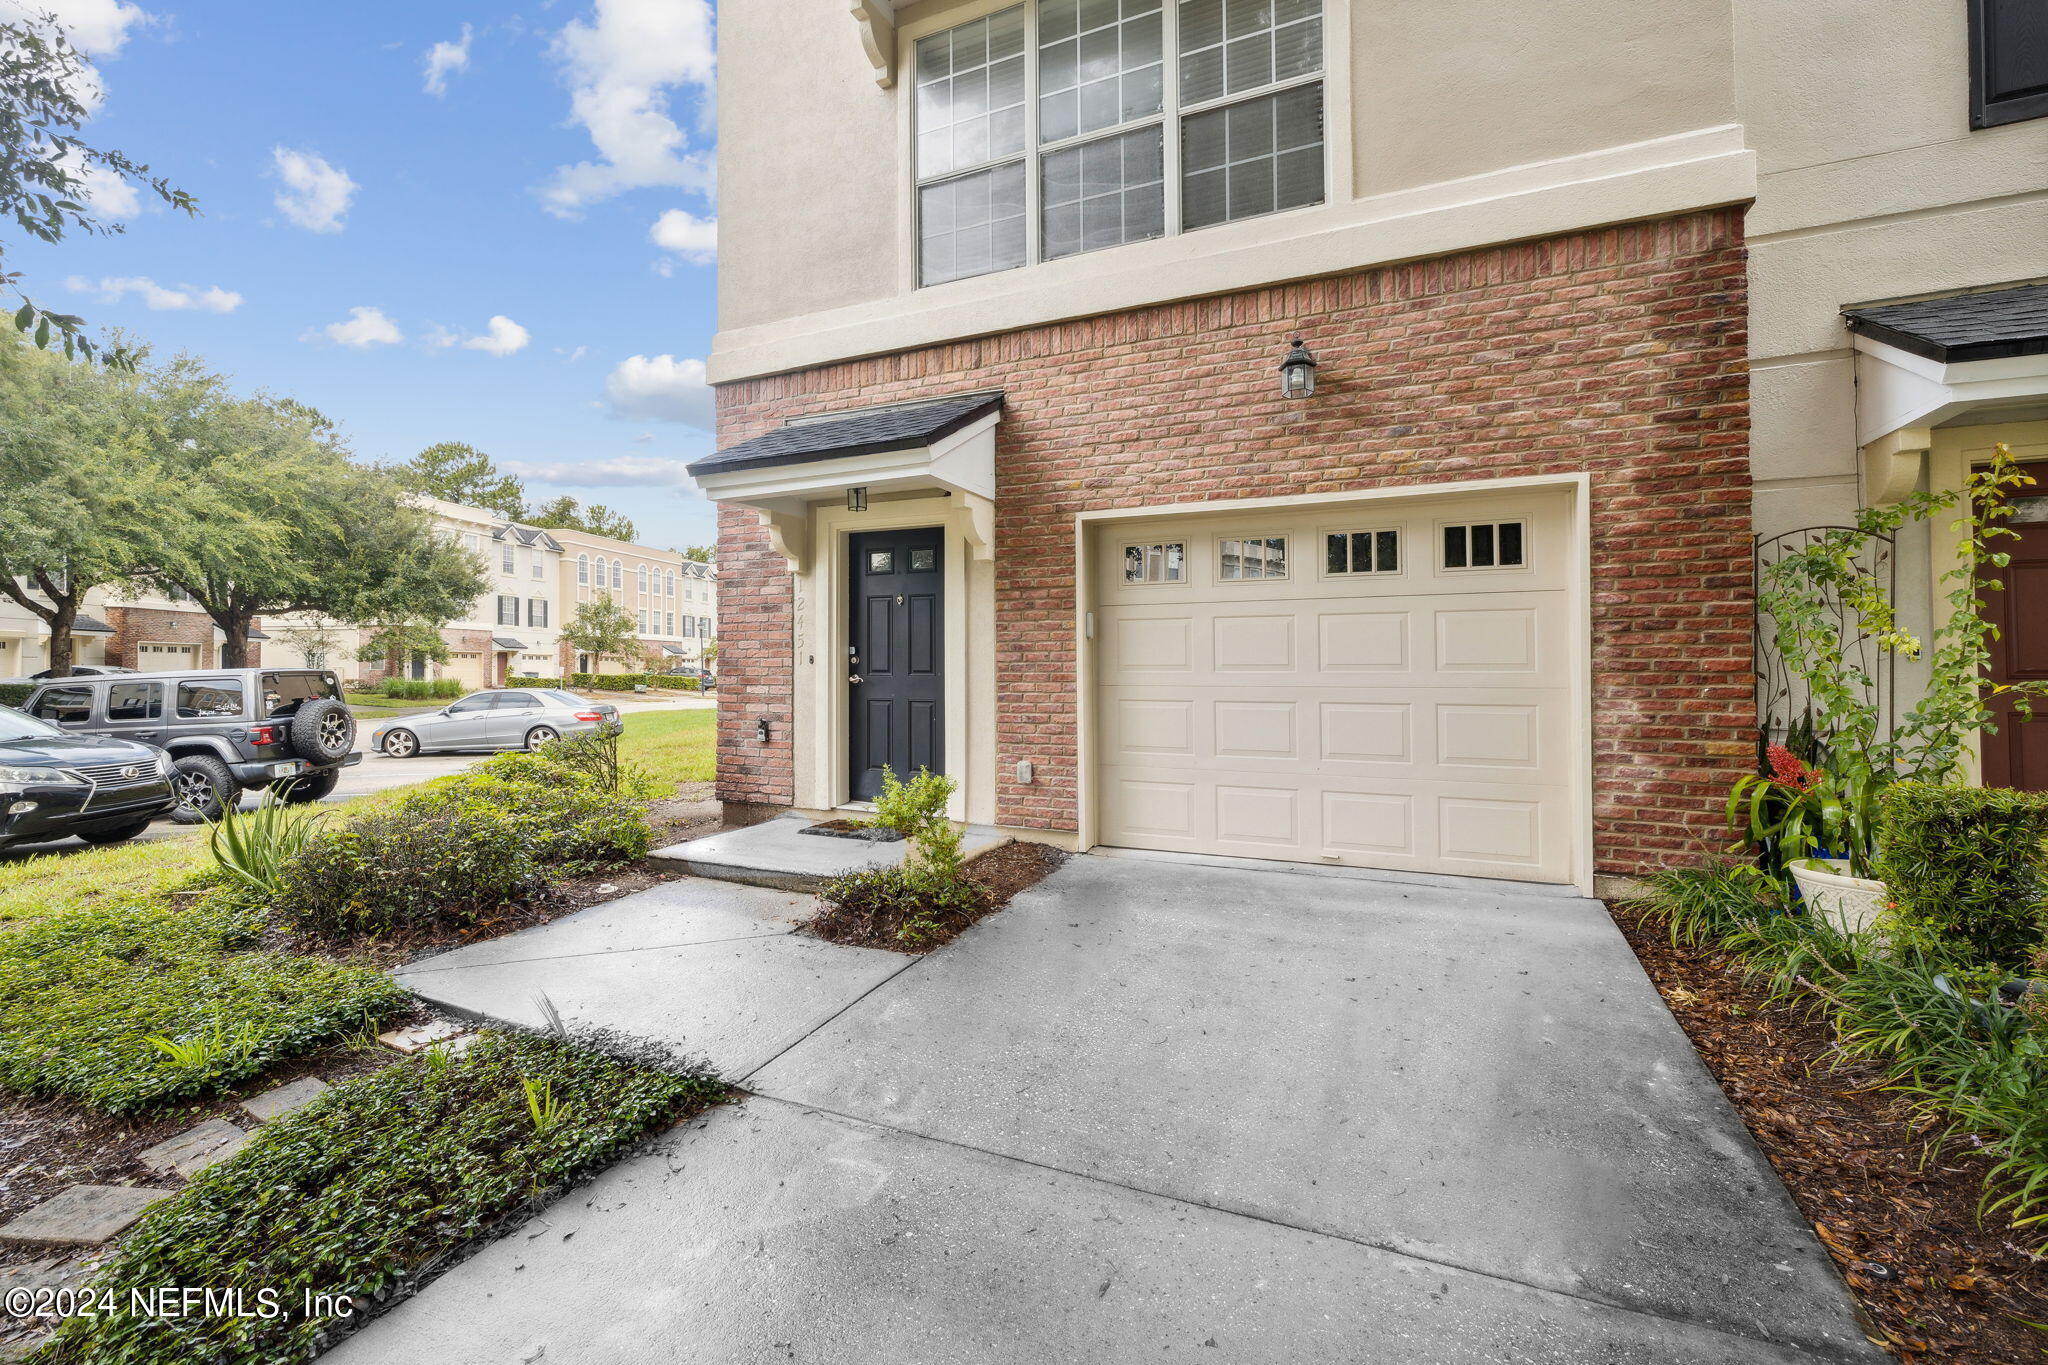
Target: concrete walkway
[(1166, 1111)]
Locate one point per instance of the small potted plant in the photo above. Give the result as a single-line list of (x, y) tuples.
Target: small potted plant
[(1819, 827)]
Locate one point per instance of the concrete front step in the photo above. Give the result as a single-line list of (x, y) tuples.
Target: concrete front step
[(777, 853)]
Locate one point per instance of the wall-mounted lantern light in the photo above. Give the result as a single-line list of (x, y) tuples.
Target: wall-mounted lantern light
[(761, 729), (1298, 372), (856, 499)]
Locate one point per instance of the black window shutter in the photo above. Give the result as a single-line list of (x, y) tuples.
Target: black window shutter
[(2008, 61)]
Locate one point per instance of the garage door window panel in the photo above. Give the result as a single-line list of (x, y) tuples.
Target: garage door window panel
[(1164, 562), (1485, 545), (1361, 552), (1262, 557)]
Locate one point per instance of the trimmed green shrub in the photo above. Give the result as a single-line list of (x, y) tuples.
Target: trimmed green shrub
[(14, 694), (368, 1186), (1965, 866), (528, 680), (456, 851), (611, 682), (130, 1005)]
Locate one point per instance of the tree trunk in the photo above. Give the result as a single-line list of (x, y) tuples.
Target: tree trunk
[(60, 622), (234, 647)]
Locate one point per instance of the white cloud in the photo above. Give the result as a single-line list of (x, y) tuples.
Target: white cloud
[(98, 28), (105, 192), (688, 236), (502, 337), (184, 297), (620, 471), (620, 67), (316, 194), (442, 59), (570, 357), (366, 327), (660, 388)]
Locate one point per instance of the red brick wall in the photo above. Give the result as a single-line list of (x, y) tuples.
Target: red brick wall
[(135, 626), (1617, 352)]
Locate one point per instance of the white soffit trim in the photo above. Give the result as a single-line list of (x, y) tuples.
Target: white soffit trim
[(1896, 389)]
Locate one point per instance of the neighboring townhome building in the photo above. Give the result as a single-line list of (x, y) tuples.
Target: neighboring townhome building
[(1010, 487), (1899, 294), (152, 631), (670, 598)]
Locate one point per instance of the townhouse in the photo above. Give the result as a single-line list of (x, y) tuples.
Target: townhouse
[(149, 631), (537, 578), (671, 598), (1333, 432)]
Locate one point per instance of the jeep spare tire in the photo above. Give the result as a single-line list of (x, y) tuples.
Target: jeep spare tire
[(323, 731)]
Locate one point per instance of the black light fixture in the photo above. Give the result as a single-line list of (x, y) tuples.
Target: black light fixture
[(1298, 372), (761, 729), (857, 499)]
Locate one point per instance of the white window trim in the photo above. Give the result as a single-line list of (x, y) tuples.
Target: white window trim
[(1337, 136)]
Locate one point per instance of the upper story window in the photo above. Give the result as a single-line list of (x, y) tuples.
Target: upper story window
[(643, 580), (583, 569), (1065, 126), (2008, 61), (506, 558), (619, 573)]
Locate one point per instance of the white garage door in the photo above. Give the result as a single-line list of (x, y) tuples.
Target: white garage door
[(1387, 684), (467, 668), (166, 658)]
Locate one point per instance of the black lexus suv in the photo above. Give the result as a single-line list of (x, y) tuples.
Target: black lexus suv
[(54, 785), (227, 730)]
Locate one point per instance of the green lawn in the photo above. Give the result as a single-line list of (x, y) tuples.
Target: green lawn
[(56, 883), (673, 746)]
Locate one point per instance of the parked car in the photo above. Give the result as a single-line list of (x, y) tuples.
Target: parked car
[(499, 718), (227, 730), (706, 680), (81, 671), (53, 785)]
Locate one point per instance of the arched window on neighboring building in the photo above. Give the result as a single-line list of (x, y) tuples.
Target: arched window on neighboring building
[(671, 583), (583, 570), (618, 573), (643, 580)]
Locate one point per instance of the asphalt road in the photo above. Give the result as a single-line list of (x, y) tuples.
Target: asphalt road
[(374, 774)]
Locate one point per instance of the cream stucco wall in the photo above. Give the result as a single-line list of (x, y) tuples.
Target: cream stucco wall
[(1449, 127), (1871, 187)]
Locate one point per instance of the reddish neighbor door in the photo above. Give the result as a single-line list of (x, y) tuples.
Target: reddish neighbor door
[(2017, 756)]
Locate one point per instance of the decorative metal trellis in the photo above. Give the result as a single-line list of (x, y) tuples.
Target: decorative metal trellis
[(1782, 703)]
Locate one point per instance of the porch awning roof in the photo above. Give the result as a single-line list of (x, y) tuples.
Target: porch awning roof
[(90, 625), (505, 642), (872, 431), (1987, 325), (673, 649)]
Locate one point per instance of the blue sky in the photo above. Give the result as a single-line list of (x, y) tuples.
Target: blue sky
[(523, 173)]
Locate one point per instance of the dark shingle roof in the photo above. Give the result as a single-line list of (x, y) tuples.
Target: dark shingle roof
[(1981, 326), (506, 642), (527, 535), (870, 432), (82, 624)]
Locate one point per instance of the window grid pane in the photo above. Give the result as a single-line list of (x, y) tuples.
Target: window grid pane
[(1229, 47), (1100, 63), (971, 225), (1258, 156), (1261, 558), (1105, 193), (970, 94)]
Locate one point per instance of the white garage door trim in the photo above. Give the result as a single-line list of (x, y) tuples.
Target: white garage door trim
[(1578, 609)]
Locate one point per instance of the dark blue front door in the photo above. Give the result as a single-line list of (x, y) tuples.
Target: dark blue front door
[(896, 663)]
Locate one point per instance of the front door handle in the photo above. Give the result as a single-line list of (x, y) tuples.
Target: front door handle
[(856, 678)]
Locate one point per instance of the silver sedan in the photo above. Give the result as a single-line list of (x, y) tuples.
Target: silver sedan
[(502, 718)]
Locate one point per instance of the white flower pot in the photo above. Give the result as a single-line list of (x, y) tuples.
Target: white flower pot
[(1850, 904)]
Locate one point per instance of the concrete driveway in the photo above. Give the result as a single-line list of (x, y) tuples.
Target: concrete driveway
[(1165, 1111)]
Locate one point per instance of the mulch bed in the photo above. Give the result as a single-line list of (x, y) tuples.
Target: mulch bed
[(1897, 1212), (1002, 872)]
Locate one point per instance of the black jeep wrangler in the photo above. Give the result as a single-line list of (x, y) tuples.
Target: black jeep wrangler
[(226, 729)]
